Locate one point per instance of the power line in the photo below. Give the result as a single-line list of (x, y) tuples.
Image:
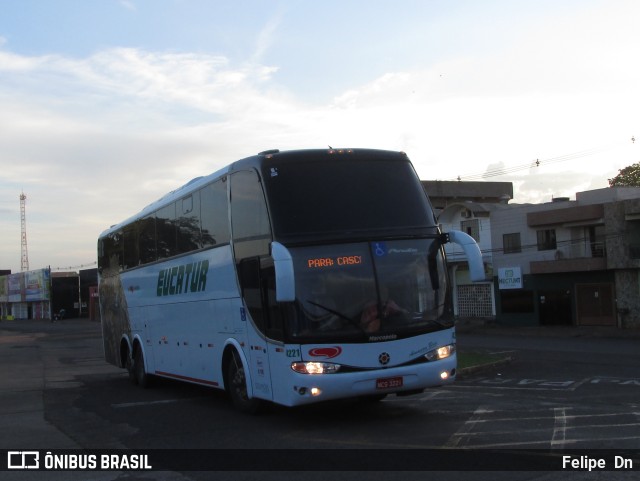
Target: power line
[(69, 268), (535, 164)]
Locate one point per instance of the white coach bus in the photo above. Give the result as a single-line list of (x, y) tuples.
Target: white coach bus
[(291, 277)]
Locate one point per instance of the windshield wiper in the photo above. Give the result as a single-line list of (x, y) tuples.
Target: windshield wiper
[(344, 317), (444, 323)]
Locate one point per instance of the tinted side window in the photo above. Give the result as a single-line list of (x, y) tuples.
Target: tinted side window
[(196, 221), (251, 242), (166, 232), (111, 252), (188, 223), (131, 253), (214, 214), (249, 217), (148, 239)]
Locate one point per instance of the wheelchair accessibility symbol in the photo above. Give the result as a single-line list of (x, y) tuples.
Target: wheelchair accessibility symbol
[(380, 249)]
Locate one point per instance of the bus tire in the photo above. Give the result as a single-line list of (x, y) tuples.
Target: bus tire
[(129, 366), (237, 387), (140, 374)]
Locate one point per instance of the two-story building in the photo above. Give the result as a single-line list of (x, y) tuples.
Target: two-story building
[(558, 263), (569, 262)]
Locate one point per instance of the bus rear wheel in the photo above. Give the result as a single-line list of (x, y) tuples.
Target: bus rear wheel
[(139, 372), (129, 366), (237, 387)]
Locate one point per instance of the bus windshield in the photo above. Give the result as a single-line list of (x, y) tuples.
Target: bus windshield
[(340, 197), (368, 291)]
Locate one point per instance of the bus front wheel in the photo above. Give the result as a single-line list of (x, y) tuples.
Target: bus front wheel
[(237, 385)]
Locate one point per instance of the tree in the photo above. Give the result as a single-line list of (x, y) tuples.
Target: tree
[(629, 177)]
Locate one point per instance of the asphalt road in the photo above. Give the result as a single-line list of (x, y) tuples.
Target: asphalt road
[(564, 389)]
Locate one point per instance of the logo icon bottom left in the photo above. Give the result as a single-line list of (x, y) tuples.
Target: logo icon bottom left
[(23, 460)]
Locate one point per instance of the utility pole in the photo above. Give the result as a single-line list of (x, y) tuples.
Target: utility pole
[(24, 263)]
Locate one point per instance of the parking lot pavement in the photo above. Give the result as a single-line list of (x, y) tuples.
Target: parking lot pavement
[(492, 328), (565, 394), (27, 371)]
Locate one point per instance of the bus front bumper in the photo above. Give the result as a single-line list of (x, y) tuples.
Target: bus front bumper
[(309, 388)]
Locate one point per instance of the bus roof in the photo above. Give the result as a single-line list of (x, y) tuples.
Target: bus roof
[(255, 161)]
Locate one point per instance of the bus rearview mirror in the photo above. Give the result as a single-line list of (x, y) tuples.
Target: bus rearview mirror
[(285, 280)]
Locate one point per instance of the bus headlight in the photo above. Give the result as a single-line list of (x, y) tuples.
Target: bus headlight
[(315, 367), (441, 352)]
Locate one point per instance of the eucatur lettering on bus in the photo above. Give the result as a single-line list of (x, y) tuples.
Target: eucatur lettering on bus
[(184, 278)]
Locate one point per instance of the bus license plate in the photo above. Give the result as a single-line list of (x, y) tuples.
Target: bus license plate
[(389, 382)]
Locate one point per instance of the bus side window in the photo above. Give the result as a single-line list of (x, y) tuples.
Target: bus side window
[(166, 232), (148, 239), (214, 214), (249, 217), (131, 253), (112, 252), (259, 293), (188, 223), (251, 241)]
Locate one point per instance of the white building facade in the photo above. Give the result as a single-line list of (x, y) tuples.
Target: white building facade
[(565, 262)]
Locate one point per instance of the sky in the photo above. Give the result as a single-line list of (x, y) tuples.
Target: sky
[(106, 105)]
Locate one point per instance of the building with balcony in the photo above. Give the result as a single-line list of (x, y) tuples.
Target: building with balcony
[(569, 262), (565, 262)]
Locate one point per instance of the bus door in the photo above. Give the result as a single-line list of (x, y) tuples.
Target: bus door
[(257, 279), (251, 247)]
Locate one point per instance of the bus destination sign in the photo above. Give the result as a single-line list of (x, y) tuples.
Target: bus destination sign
[(320, 262)]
